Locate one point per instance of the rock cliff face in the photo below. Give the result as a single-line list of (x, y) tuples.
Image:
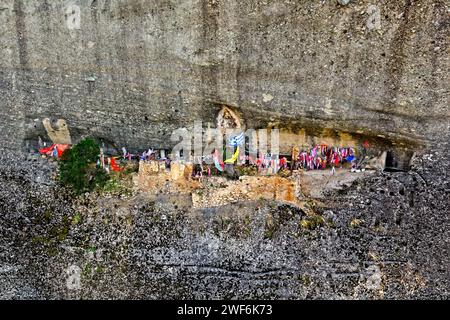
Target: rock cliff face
[(130, 72), (381, 238)]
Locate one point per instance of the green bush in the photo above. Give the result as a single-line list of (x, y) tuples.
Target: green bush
[(78, 170), (312, 222), (247, 170)]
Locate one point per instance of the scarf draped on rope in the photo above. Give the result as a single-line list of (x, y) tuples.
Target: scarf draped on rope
[(234, 157)]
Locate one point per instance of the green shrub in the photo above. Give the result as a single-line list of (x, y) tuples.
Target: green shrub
[(116, 185), (356, 222), (78, 170), (76, 219), (247, 170), (312, 222)]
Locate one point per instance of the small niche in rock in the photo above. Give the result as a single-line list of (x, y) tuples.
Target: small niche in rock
[(398, 161)]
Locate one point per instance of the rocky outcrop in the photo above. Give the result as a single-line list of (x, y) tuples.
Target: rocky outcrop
[(385, 236), (130, 72)]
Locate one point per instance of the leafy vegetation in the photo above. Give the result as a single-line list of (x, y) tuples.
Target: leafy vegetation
[(305, 280), (76, 219), (356, 222), (78, 170), (247, 171), (312, 222), (54, 232), (271, 226)]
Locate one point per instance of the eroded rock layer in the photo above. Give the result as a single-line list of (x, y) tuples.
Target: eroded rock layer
[(130, 72), (385, 236)]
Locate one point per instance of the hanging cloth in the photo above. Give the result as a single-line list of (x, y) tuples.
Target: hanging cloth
[(47, 151), (114, 165), (350, 158), (61, 148), (217, 164), (234, 157)]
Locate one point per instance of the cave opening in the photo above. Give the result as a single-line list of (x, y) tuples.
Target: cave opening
[(397, 161)]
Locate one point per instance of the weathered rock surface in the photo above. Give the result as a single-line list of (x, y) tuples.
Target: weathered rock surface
[(130, 72), (383, 237)]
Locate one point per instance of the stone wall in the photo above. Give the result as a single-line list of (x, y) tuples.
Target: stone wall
[(153, 177), (295, 189)]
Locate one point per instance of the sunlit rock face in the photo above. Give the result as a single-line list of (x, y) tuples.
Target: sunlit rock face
[(132, 71), (129, 72)]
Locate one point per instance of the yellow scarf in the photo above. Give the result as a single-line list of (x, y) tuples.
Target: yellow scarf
[(234, 157)]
